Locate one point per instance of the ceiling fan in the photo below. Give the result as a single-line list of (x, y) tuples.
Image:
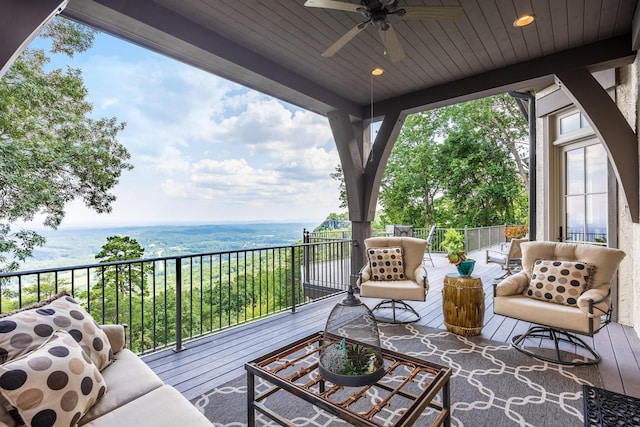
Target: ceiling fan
[(377, 13)]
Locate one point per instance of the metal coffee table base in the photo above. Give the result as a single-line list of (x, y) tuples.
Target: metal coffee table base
[(409, 387)]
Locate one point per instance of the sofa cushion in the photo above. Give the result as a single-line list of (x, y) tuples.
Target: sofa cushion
[(28, 328), (561, 282), (127, 378), (53, 385), (386, 263), (164, 406)]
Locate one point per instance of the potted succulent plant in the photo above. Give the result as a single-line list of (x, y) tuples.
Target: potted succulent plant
[(351, 364), (453, 243)]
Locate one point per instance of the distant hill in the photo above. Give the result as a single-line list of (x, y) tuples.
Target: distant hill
[(65, 248), (334, 224)]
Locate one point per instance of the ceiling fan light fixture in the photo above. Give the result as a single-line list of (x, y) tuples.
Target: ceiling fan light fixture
[(377, 71), (523, 21)]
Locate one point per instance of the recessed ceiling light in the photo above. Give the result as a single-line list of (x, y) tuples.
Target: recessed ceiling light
[(377, 71), (523, 21)]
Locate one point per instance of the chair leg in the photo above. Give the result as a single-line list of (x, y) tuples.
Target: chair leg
[(429, 255), (394, 305), (557, 336), (507, 273)]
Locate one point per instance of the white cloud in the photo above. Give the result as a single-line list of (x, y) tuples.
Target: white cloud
[(205, 149)]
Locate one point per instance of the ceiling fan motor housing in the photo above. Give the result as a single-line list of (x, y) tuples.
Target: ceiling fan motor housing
[(379, 19)]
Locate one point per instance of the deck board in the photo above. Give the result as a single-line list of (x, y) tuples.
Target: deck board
[(211, 361)]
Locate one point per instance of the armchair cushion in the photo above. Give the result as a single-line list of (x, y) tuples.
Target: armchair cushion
[(561, 282), (386, 263)]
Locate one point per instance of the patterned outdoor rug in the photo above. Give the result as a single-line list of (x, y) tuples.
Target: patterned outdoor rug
[(492, 385)]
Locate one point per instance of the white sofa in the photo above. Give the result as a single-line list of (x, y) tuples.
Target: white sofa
[(135, 395)]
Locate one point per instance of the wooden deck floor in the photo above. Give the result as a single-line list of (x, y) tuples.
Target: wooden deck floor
[(212, 361)]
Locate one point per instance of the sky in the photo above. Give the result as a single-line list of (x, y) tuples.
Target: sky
[(204, 150)]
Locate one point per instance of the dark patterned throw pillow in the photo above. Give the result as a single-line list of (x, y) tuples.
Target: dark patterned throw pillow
[(27, 329), (561, 282), (54, 385), (386, 263)]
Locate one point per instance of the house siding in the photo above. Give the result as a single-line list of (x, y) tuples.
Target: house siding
[(628, 232)]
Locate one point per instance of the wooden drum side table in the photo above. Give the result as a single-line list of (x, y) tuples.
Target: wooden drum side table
[(463, 304)]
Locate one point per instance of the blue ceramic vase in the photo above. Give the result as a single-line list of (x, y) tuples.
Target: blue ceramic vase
[(465, 268)]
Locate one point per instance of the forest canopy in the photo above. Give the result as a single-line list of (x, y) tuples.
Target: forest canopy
[(461, 165), (51, 150)]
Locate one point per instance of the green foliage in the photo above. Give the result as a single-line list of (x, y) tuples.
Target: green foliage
[(334, 221), (453, 243), (128, 277), (338, 175), (408, 187), (458, 166), (51, 150), (16, 246), (215, 291), (120, 248), (479, 180), (68, 37)]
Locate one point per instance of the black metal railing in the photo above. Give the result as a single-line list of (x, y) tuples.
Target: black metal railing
[(474, 237), (167, 301), (170, 300)]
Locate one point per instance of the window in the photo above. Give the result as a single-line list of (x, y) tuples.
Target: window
[(585, 194), (572, 123)]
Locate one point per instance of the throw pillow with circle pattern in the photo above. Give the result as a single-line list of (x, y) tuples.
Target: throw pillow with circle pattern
[(25, 330), (561, 282), (386, 263), (54, 385)]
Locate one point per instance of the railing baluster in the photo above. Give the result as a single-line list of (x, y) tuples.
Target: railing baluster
[(190, 296), (179, 304), (166, 314), (201, 329), (293, 280), (142, 345)]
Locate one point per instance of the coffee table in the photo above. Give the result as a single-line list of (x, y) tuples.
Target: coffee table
[(408, 387)]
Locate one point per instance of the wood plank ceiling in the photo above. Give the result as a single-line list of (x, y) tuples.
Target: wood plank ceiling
[(274, 45)]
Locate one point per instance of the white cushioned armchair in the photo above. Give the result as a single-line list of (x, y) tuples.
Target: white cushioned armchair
[(566, 289), (383, 277)]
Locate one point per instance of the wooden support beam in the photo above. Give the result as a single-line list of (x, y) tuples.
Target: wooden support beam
[(380, 152), (363, 166), (351, 149), (618, 138), (597, 56), (20, 22)]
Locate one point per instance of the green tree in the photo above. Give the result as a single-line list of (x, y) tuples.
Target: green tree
[(334, 221), (479, 179), (459, 165), (495, 118), (122, 248), (51, 150), (409, 187)]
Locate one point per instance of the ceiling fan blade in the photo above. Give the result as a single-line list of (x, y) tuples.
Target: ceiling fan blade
[(332, 4), (331, 50), (392, 44), (432, 12)]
